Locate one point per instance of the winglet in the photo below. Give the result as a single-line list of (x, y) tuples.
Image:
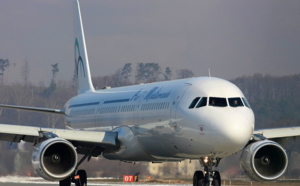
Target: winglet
[(82, 73)]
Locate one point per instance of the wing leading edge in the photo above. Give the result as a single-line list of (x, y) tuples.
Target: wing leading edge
[(280, 135), (16, 133)]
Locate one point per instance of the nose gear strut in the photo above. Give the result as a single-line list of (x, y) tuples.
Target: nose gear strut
[(211, 178)]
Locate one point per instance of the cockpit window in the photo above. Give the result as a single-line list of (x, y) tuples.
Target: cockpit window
[(217, 102), (202, 102), (246, 103), (194, 102), (235, 102)]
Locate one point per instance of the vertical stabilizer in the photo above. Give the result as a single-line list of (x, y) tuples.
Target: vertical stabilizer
[(82, 69)]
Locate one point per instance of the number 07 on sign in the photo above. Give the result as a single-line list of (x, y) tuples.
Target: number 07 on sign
[(128, 178)]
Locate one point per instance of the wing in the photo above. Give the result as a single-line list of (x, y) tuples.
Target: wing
[(36, 109), (83, 140), (279, 135)]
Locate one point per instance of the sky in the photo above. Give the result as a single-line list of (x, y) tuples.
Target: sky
[(233, 38)]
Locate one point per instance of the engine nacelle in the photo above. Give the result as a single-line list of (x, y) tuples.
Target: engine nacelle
[(264, 160), (54, 159)]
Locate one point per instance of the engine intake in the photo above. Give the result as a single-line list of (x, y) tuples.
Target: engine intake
[(264, 160), (54, 159)]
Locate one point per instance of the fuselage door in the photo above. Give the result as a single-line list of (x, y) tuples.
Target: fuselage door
[(176, 100), (137, 109), (98, 118)]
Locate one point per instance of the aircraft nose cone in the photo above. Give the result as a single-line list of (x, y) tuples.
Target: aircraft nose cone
[(233, 131)]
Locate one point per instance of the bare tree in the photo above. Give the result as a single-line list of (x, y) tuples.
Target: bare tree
[(184, 73), (54, 70), (148, 72), (19, 96), (25, 70), (52, 119), (139, 77), (4, 63), (126, 73), (117, 79), (168, 73), (152, 72), (48, 91)]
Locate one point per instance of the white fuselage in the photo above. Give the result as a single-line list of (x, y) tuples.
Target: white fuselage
[(160, 118)]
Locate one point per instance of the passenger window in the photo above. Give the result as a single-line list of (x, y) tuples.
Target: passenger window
[(194, 102), (202, 102), (235, 102), (246, 103), (217, 102)]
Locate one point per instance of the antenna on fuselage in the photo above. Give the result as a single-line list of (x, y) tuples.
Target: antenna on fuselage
[(209, 72)]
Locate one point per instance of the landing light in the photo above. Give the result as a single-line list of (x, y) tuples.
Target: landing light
[(205, 160)]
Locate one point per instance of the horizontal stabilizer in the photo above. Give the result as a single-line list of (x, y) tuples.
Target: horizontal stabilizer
[(35, 109)]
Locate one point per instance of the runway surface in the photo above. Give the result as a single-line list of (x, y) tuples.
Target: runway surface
[(26, 181), (90, 184), (36, 181)]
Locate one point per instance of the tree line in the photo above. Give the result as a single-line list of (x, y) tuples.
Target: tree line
[(144, 73), (275, 101)]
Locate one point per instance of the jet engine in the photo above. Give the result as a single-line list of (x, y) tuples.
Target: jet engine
[(264, 160), (54, 159)]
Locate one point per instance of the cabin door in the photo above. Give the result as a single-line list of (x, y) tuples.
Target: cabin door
[(176, 100)]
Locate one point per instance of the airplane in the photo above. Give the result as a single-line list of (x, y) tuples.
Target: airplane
[(203, 118)]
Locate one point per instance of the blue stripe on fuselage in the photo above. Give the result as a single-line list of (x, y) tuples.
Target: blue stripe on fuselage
[(84, 104), (116, 101)]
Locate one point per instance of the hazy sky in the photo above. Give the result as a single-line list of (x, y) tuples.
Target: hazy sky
[(232, 38)]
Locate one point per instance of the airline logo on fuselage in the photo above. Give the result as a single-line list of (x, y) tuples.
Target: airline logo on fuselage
[(78, 60), (154, 93), (136, 96)]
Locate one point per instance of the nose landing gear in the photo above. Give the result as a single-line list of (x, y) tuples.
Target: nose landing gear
[(211, 178)]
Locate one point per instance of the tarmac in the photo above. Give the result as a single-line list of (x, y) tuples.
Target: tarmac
[(36, 181), (32, 181), (90, 184)]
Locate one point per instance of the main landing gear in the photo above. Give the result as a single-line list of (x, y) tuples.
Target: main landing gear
[(211, 178), (80, 179)]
